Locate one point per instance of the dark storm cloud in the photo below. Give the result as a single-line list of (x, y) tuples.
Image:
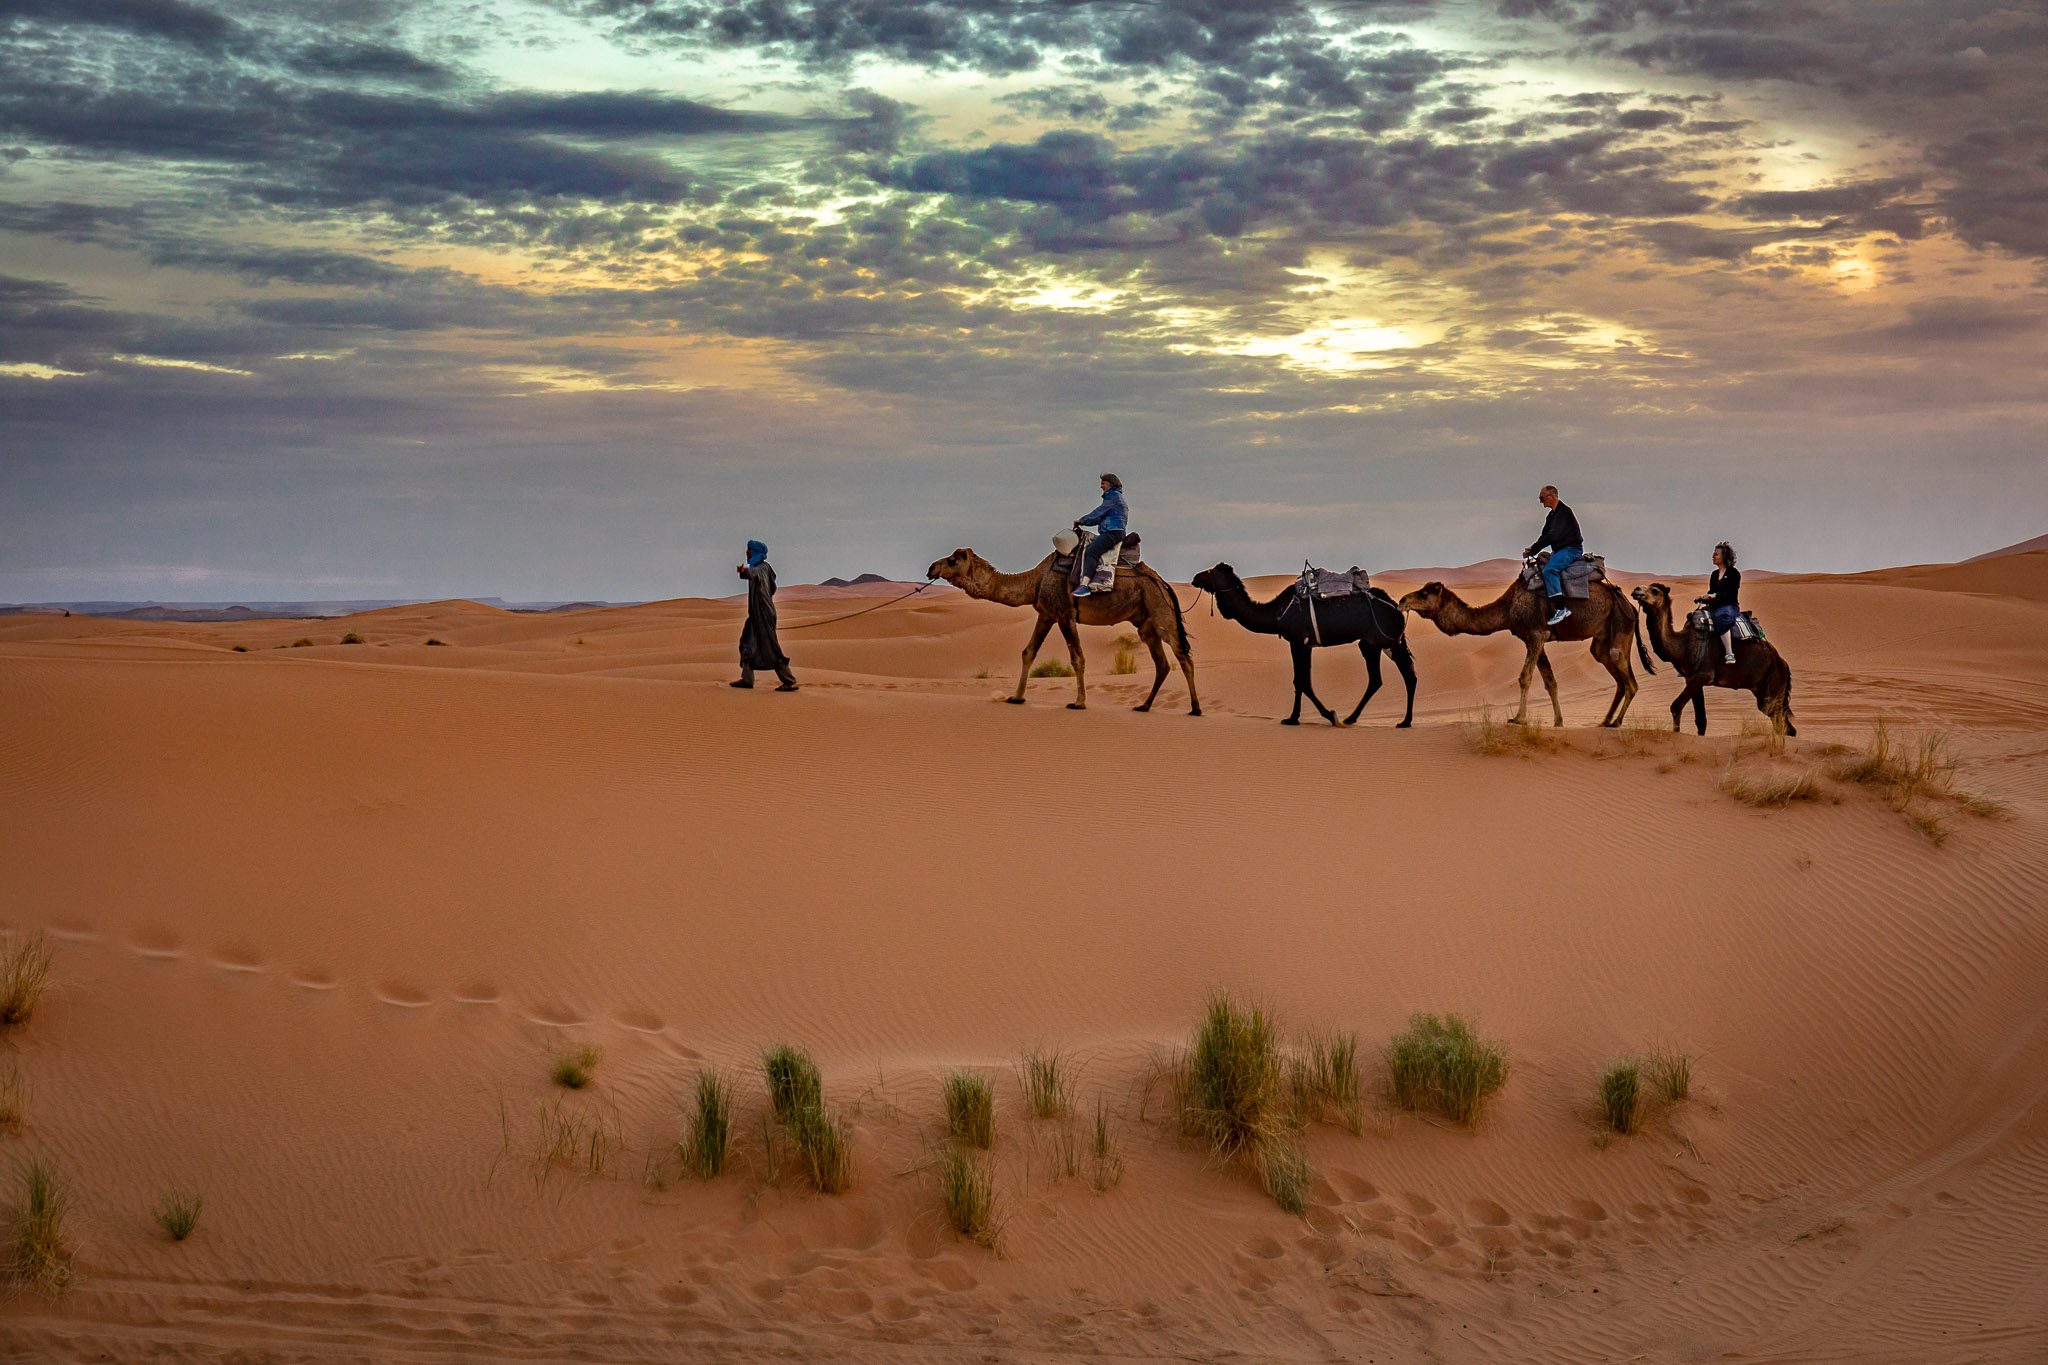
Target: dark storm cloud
[(379, 61), (172, 20), (294, 265)]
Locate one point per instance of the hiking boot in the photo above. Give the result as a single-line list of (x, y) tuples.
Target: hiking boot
[(787, 687)]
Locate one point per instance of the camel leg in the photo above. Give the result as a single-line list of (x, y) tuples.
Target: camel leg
[(1300, 682), (1187, 666), (1405, 661), (1150, 635), (1372, 680), (1304, 672), (1550, 686), (1699, 706), (1528, 670), (1038, 633), (1072, 632), (1616, 659)]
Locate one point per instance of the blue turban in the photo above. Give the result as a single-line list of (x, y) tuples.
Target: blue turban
[(756, 553)]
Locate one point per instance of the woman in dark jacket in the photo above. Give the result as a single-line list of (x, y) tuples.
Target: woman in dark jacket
[(758, 646), (1724, 588)]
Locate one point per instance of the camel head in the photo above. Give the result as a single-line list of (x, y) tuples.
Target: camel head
[(957, 566), (1427, 600), (1654, 598), (1220, 579)]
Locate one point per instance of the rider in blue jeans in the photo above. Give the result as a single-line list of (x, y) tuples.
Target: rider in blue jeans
[(1110, 520), (1561, 534)]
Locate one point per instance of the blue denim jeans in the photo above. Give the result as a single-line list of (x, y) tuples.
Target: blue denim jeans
[(1554, 567)]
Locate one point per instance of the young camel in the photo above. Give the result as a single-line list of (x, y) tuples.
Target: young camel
[(1758, 666), (1369, 620), (1140, 597), (1607, 618)]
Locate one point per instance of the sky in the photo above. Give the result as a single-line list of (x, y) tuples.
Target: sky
[(557, 299)]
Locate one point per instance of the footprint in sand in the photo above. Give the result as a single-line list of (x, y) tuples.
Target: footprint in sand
[(156, 945), (403, 994), (1355, 1188), (73, 931), (1588, 1210), (476, 993), (1486, 1213), (1265, 1248), (556, 1015), (313, 979), (1418, 1206)]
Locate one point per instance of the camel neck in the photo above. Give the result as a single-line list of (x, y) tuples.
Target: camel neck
[(1011, 589), (1459, 617)]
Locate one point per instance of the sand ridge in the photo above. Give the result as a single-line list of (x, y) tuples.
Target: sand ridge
[(324, 914)]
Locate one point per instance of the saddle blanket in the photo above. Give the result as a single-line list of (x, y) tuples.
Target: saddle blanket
[(1579, 576), (1340, 582)]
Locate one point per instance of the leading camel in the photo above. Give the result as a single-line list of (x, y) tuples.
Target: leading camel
[(1140, 597), (1606, 618), (1369, 620), (1758, 666)]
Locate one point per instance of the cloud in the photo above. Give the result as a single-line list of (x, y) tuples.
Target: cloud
[(173, 20)]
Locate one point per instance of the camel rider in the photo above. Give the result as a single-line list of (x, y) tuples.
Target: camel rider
[(1724, 588), (1566, 545), (1110, 519)]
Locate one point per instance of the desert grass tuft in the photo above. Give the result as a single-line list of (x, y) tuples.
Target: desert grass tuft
[(1490, 734), (1052, 668), (710, 1127), (178, 1214), (303, 642), (970, 1109), (794, 1085), (1048, 1088), (25, 961), (825, 1148), (574, 1070), (1621, 1097), (1671, 1073), (1440, 1063), (1105, 1153), (1323, 1078), (1982, 806), (13, 1099), (39, 1257), (353, 639), (967, 1190), (1931, 824), (1126, 658), (1772, 789), (1232, 1097)]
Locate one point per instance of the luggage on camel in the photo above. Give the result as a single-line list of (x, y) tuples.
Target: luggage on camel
[(1579, 576)]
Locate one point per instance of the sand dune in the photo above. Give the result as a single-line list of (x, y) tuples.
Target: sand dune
[(324, 914)]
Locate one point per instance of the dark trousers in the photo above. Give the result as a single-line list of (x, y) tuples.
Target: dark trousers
[(1091, 558)]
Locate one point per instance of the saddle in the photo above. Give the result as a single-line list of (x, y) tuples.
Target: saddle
[(1579, 576), (1316, 582), (1746, 626), (1067, 547)]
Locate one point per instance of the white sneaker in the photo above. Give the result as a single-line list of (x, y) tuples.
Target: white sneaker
[(1560, 614)]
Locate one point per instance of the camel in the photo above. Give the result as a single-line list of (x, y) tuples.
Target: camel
[(1140, 597), (1758, 666), (1607, 618), (1371, 621)]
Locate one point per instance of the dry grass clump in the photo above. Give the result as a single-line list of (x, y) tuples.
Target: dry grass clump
[(1105, 1151), (178, 1214), (24, 975), (574, 1070), (1903, 771), (1439, 1063), (1323, 1078), (970, 1109), (1621, 1097), (968, 1192), (793, 1081), (709, 1136), (303, 642), (1048, 1086), (13, 1099), (1231, 1093), (796, 1093), (1670, 1073), (574, 1141), (1767, 790), (1052, 668), (433, 641), (39, 1258), (1493, 736), (1126, 659), (353, 639)]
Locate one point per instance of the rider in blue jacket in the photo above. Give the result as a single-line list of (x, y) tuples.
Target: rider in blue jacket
[(1111, 519)]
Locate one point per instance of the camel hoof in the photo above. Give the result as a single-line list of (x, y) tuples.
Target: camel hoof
[(1789, 731), (1014, 701), (1404, 725), (1196, 712), (1291, 720), (1146, 707), (1077, 706)]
